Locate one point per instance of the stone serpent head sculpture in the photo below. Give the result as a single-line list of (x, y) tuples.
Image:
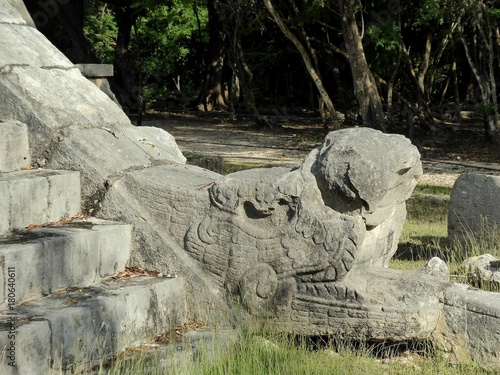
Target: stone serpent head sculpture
[(310, 246)]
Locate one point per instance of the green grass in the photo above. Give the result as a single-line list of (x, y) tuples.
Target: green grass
[(425, 232), (425, 235), (258, 351)]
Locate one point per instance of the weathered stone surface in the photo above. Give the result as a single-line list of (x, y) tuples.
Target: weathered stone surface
[(51, 259), (307, 247), (157, 144), (28, 94), (483, 268), (37, 196), (437, 268), (14, 146), (15, 12), (72, 331), (310, 246), (267, 237), (474, 212), (469, 325), (103, 85), (27, 46), (161, 202), (88, 150), (96, 70)]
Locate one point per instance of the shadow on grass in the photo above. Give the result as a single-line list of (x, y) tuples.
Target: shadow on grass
[(423, 248)]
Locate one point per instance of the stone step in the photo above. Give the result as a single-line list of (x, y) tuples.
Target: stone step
[(68, 332), (48, 259), (37, 196), (14, 146)]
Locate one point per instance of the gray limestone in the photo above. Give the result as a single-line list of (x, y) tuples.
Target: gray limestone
[(96, 70), (284, 243), (103, 85), (469, 326), (88, 150), (483, 268), (15, 12), (14, 146), (161, 202), (27, 46), (49, 113), (75, 330), (474, 212), (37, 196), (53, 258)]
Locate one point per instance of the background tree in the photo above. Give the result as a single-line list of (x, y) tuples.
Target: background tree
[(479, 36), (388, 62)]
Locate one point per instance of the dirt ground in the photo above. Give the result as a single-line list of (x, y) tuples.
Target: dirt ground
[(450, 151)]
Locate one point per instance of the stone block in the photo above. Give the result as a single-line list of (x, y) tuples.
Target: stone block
[(15, 12), (28, 200), (471, 318), (27, 93), (96, 70), (115, 242), (64, 198), (474, 212), (37, 196), (134, 148), (23, 45), (103, 85), (52, 259), (77, 329), (156, 143), (14, 146), (32, 347)]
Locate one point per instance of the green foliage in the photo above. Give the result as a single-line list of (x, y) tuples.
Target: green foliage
[(164, 39), (430, 12), (100, 30), (385, 36), (494, 12), (164, 36)]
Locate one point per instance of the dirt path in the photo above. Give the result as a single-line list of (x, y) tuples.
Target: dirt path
[(238, 140)]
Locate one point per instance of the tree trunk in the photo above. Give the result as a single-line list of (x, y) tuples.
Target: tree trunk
[(211, 95), (481, 62), (365, 87), (419, 81), (126, 76), (307, 61)]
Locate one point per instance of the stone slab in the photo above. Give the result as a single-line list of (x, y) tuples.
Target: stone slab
[(96, 70), (132, 148), (78, 329), (474, 212), (470, 329), (28, 94), (23, 45), (161, 202), (15, 12), (4, 208), (14, 146), (50, 259), (103, 85), (37, 196), (158, 144)]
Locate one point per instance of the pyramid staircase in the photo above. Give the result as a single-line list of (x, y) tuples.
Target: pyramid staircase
[(61, 308)]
